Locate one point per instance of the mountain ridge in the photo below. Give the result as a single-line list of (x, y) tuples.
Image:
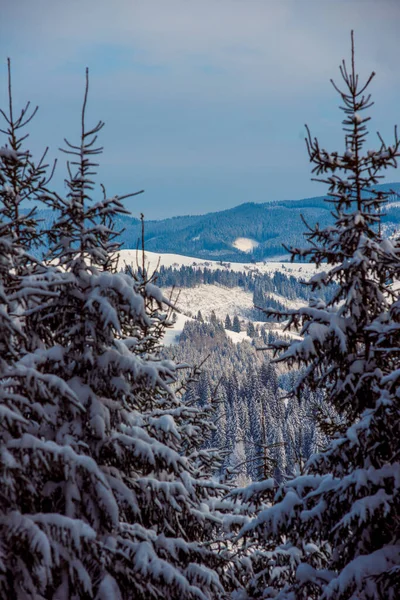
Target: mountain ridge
[(266, 226)]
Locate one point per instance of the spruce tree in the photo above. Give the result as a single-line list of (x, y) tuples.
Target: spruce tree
[(107, 489), (236, 324), (250, 330), (35, 540), (334, 532), (23, 180)]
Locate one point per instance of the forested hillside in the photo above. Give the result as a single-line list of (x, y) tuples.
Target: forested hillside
[(211, 236), (259, 430)]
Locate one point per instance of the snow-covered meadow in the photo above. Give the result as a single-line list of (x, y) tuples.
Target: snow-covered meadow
[(155, 259), (215, 298)]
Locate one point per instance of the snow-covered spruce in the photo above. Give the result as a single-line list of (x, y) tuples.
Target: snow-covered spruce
[(118, 498), (31, 543), (333, 532)]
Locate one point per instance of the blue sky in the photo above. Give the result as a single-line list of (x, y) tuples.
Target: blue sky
[(204, 100)]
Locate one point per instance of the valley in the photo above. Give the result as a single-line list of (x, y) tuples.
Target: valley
[(217, 326)]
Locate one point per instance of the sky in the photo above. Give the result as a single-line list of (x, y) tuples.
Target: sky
[(204, 101)]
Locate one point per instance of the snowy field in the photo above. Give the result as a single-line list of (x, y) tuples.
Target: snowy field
[(220, 299), (152, 259), (217, 298)]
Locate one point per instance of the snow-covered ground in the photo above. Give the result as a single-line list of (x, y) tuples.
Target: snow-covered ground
[(152, 259), (207, 298), (171, 335), (220, 299), (245, 244)]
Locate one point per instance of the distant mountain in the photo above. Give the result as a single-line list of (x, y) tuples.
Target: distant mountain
[(247, 232)]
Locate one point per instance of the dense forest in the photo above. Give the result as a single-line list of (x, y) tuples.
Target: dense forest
[(260, 431), (279, 283)]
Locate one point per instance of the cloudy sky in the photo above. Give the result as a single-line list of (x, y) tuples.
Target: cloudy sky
[(204, 100)]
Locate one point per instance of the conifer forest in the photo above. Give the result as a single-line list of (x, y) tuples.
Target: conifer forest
[(198, 429)]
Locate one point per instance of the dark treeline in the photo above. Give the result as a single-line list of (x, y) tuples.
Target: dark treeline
[(252, 281)]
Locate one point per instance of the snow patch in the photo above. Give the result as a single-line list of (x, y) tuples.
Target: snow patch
[(171, 335), (245, 244), (237, 337)]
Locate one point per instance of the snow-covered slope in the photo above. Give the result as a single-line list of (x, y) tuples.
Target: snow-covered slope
[(207, 298), (171, 335), (153, 259), (222, 300)]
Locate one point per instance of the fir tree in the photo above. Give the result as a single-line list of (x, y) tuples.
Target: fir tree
[(35, 539), (117, 496), (228, 322), (251, 332), (22, 179), (236, 324), (333, 532)]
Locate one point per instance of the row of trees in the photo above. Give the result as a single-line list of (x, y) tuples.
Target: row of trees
[(252, 281)]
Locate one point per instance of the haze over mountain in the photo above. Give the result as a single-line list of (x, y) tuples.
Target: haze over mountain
[(246, 232)]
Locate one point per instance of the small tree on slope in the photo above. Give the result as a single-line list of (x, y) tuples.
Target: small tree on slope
[(334, 532), (152, 504)]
